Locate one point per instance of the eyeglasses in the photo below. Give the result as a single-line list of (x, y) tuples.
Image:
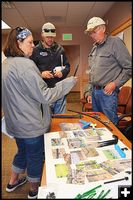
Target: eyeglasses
[(49, 30)]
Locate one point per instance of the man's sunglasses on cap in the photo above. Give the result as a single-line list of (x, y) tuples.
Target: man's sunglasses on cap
[(49, 30)]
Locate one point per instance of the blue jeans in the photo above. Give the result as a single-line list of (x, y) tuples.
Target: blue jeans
[(106, 104), (29, 157), (59, 107)]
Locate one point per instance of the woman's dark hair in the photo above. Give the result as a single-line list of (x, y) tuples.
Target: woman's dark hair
[(11, 47)]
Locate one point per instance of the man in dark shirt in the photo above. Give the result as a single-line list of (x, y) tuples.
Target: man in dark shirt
[(52, 62)]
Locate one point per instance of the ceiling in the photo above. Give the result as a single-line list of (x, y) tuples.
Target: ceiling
[(62, 14)]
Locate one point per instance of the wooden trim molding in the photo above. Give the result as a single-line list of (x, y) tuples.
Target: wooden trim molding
[(122, 27)]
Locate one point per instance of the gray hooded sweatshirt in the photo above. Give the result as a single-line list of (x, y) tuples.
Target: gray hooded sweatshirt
[(26, 97)]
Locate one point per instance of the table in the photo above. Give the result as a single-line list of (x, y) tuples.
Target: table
[(55, 127)]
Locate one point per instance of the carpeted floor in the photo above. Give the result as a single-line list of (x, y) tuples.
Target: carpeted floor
[(8, 151)]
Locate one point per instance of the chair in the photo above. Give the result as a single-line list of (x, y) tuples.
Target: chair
[(123, 99), (83, 101), (88, 107), (125, 125), (85, 105), (125, 111)]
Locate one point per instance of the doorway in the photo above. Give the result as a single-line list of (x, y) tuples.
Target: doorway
[(73, 55)]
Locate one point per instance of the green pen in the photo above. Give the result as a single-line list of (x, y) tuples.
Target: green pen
[(90, 191), (78, 196), (91, 195), (101, 193), (105, 194)]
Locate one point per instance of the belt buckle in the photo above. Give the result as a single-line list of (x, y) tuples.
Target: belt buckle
[(97, 87)]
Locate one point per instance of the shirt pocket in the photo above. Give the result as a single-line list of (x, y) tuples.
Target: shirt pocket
[(105, 54), (104, 59)]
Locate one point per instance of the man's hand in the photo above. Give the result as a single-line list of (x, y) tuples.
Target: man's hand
[(58, 71), (58, 74), (109, 88), (47, 74)]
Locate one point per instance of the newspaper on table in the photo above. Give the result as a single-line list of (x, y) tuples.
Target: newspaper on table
[(74, 163)]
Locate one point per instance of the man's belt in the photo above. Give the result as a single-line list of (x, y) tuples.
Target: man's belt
[(98, 87)]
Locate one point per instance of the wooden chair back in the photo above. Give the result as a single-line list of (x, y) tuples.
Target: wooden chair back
[(124, 100)]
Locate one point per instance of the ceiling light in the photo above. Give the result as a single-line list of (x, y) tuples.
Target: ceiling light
[(5, 26)]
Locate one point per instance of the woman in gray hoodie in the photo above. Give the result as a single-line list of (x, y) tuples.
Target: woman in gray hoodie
[(26, 103)]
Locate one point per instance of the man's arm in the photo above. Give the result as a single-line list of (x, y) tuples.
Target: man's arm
[(124, 59)]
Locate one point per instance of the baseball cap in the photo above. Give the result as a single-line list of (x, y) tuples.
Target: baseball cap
[(48, 29), (93, 22)]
